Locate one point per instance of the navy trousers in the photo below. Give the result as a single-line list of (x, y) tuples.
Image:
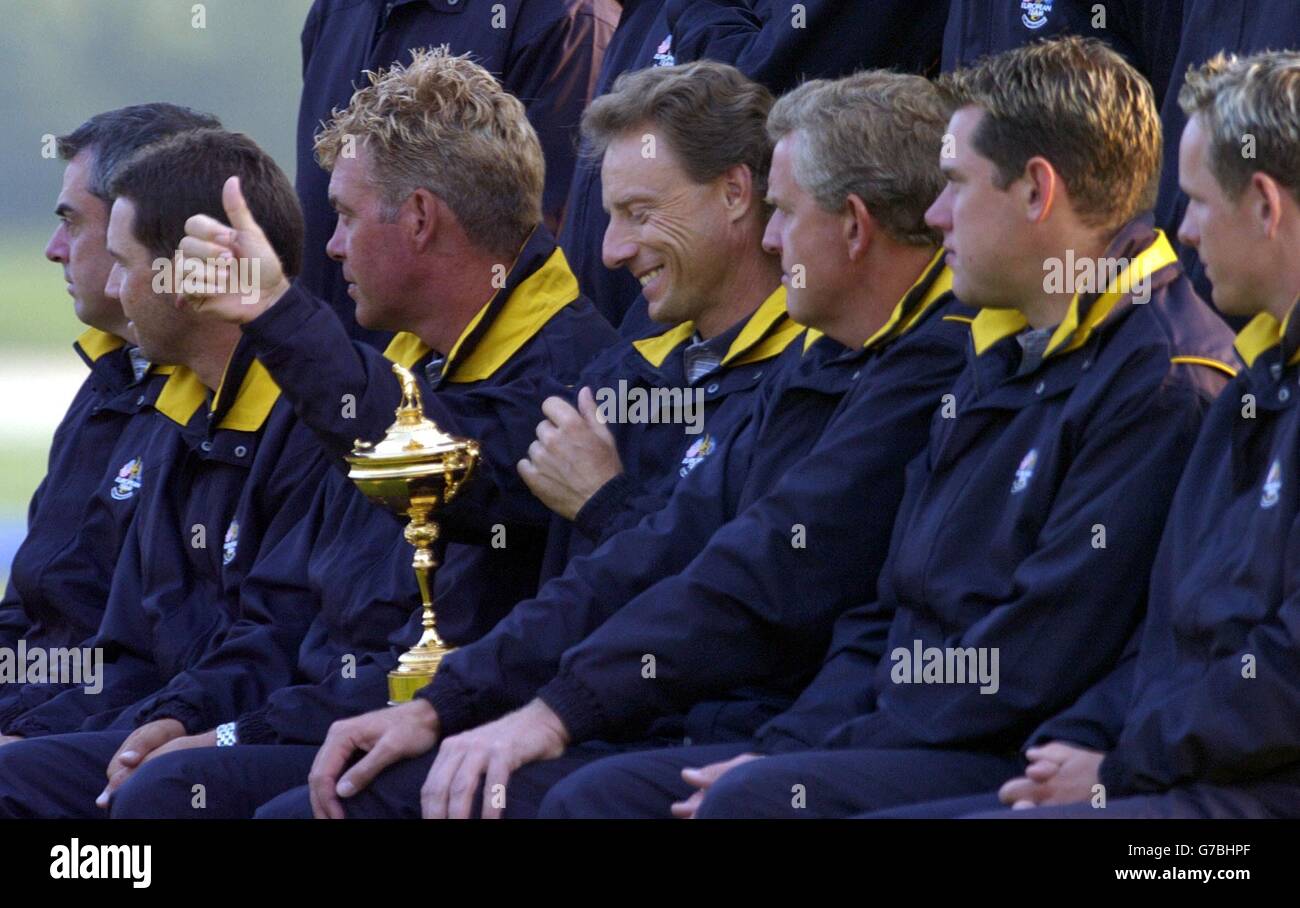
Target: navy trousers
[(1260, 800), (218, 783), (808, 784), (395, 793), (56, 777)]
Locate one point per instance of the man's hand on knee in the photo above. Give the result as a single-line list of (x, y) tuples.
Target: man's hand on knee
[(386, 736)]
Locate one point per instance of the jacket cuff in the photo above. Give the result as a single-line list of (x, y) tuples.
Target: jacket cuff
[(602, 508), (188, 716), (576, 707), (255, 728), (451, 702)]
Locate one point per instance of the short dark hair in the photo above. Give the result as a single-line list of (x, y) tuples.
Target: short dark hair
[(115, 135), (183, 175)]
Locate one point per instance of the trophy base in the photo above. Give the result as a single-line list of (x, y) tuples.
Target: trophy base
[(403, 685), (416, 669)]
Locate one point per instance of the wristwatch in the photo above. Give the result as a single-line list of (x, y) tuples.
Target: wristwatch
[(226, 736)]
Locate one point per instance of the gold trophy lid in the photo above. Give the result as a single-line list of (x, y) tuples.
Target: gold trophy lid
[(412, 436)]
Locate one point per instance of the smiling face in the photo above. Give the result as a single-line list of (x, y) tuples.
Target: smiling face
[(79, 244), (983, 226), (371, 249), (1220, 228), (810, 240), (155, 323), (664, 227)]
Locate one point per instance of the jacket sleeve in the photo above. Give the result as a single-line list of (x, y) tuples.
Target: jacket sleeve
[(345, 390), (303, 713), (258, 653), (505, 668), (14, 621), (732, 617), (128, 673), (1226, 725), (1094, 720), (1067, 591)]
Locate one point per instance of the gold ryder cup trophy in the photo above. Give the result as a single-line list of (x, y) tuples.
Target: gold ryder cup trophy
[(415, 470)]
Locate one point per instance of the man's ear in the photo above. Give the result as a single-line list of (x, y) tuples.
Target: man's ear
[(1038, 189), (420, 215), (737, 191), (859, 227), (1265, 201)]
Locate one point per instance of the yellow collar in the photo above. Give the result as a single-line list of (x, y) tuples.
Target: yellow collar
[(904, 316), (992, 325), (765, 334), (95, 343), (1263, 332), (183, 394), (532, 304)]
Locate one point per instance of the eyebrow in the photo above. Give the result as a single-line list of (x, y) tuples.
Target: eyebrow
[(338, 205)]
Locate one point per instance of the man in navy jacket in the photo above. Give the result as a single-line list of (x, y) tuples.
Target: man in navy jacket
[(236, 464), (1007, 590), (60, 576), (545, 52), (1199, 719)]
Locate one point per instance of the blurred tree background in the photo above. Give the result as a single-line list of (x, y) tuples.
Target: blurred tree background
[(70, 59)]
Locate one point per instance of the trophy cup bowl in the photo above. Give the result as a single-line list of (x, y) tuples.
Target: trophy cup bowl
[(413, 471)]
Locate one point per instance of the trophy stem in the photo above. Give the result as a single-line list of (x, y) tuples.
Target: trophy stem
[(417, 666)]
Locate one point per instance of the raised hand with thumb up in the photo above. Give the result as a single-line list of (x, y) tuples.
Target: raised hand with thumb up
[(231, 271)]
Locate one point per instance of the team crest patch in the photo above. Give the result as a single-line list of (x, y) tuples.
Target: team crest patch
[(127, 480), (1272, 486), (1035, 13), (701, 449), (231, 544), (1025, 471), (664, 55)]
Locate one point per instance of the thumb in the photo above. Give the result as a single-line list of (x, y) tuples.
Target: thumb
[(587, 406), (232, 199)]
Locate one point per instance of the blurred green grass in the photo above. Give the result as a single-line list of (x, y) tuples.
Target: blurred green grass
[(35, 310), (36, 317)]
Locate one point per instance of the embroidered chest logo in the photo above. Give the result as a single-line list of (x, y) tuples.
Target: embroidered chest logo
[(231, 544), (701, 449), (1035, 13), (127, 480), (1025, 471), (1272, 486), (664, 55)]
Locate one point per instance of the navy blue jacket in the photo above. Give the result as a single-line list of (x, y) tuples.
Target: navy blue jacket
[(354, 562), (705, 583), (655, 455), (530, 341), (1144, 31), (75, 525), (231, 484), (1210, 26), (1029, 524), (100, 459), (760, 38), (1208, 692), (547, 53)]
